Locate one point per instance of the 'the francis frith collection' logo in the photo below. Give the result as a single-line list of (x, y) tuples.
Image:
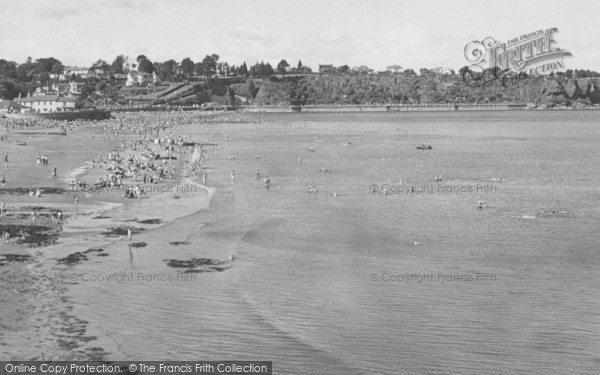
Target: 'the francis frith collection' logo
[(534, 54)]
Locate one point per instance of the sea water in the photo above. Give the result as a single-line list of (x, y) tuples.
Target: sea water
[(347, 281)]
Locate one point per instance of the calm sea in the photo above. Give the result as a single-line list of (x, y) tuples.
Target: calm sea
[(346, 281)]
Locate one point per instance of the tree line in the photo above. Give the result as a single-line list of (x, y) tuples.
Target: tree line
[(23, 78)]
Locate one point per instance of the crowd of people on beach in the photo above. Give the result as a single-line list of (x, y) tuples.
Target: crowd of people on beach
[(150, 151)]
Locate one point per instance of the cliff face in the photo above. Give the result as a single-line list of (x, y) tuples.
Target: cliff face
[(364, 89), (569, 92)]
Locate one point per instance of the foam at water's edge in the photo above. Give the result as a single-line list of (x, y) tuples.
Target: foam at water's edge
[(72, 176)]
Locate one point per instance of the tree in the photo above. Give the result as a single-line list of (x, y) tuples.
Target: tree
[(187, 66), (208, 67), (282, 66), (100, 67), (101, 85), (253, 89), (8, 90), (243, 70), (261, 70), (146, 66), (140, 58), (118, 65), (168, 70), (343, 69), (8, 69), (47, 65), (299, 65), (217, 86), (232, 96), (569, 73)]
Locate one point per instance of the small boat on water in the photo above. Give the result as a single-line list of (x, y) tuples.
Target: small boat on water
[(423, 147)]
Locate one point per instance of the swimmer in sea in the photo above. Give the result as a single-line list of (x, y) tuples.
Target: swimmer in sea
[(480, 205)]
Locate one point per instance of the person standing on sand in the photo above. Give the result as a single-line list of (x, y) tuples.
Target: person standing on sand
[(7, 237), (54, 171), (129, 235), (2, 208), (6, 157)]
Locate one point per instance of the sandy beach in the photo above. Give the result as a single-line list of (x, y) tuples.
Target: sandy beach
[(37, 321)]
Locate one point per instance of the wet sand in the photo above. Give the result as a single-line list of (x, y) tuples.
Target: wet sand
[(37, 320)]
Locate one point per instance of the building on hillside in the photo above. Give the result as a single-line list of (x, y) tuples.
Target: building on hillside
[(223, 70), (326, 68), (60, 77), (393, 69), (442, 71), (61, 88), (140, 78), (76, 71), (66, 89), (363, 69), (48, 103)]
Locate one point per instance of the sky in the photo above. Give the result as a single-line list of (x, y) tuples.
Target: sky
[(409, 33)]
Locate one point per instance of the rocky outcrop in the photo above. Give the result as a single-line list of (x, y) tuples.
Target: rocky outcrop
[(566, 92)]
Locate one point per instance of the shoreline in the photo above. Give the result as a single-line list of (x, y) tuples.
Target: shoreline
[(39, 323)]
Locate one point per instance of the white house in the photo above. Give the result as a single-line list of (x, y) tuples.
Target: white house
[(442, 71), (77, 71), (47, 103), (394, 69), (140, 78)]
